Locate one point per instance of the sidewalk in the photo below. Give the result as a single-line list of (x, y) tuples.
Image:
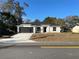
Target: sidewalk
[(48, 44), (35, 43)]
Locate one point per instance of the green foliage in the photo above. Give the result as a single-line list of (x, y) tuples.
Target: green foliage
[(8, 19), (11, 14), (37, 22), (49, 20), (8, 6), (53, 20), (72, 20), (13, 7)]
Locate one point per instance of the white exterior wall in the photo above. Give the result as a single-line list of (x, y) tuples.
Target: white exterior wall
[(48, 29), (25, 25), (41, 29), (34, 29), (18, 29), (58, 29)]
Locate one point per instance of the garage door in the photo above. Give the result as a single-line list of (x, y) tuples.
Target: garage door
[(26, 29)]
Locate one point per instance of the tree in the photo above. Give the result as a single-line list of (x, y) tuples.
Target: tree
[(8, 6), (11, 14), (27, 21), (60, 22), (13, 7), (49, 20), (37, 22), (8, 19), (54, 21), (72, 20), (18, 13)]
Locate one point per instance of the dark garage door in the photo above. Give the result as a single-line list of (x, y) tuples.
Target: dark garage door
[(26, 29)]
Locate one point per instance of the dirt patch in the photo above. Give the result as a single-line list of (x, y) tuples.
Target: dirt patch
[(56, 37)]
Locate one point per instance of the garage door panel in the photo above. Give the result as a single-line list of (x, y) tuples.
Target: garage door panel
[(26, 29)]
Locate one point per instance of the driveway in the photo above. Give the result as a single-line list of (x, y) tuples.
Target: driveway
[(23, 37), (18, 38)]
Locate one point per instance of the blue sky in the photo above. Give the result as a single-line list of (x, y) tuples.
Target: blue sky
[(39, 9)]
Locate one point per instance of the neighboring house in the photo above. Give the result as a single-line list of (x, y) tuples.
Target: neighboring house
[(30, 28), (75, 29)]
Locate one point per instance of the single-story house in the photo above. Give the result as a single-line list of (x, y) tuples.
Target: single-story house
[(30, 28), (75, 29)]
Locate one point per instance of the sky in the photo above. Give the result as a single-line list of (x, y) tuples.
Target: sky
[(40, 9)]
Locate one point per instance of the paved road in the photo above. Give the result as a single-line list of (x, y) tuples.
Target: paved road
[(38, 53)]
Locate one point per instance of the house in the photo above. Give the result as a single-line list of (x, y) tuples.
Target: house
[(75, 29), (32, 28)]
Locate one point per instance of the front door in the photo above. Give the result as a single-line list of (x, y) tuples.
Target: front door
[(44, 29)]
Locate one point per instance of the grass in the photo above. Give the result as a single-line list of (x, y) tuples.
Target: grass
[(56, 37)]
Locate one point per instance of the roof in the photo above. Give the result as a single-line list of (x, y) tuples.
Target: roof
[(30, 24)]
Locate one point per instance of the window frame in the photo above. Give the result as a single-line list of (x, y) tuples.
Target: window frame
[(54, 28)]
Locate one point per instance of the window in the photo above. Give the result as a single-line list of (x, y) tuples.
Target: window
[(54, 28), (38, 29)]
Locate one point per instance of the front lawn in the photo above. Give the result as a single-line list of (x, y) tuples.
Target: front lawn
[(56, 37)]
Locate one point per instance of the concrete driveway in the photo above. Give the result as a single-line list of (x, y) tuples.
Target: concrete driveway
[(18, 38), (23, 37)]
